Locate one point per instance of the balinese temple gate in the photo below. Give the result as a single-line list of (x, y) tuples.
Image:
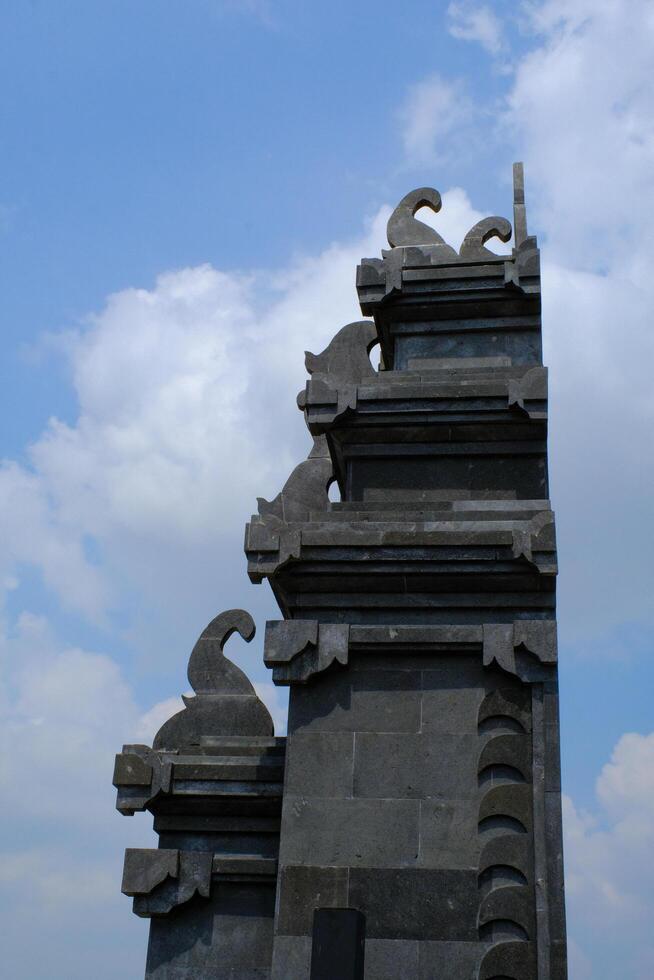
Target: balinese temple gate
[(409, 824)]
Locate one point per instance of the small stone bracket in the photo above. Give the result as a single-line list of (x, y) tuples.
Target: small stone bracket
[(505, 645), (140, 774), (538, 535), (529, 393), (298, 649), (162, 879)]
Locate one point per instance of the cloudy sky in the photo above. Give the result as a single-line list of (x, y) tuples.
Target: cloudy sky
[(186, 188)]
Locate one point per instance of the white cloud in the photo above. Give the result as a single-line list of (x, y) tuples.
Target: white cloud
[(580, 113), (64, 712), (150, 722), (32, 534), (610, 862), (470, 21), (276, 700), (583, 113), (434, 119)]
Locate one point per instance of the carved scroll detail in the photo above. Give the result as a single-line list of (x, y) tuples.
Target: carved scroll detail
[(345, 359), (482, 232), (306, 488), (225, 702), (403, 227)]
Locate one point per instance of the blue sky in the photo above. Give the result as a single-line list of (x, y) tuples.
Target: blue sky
[(185, 191)]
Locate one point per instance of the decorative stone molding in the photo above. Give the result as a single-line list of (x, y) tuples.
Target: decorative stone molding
[(298, 649), (338, 370), (504, 643)]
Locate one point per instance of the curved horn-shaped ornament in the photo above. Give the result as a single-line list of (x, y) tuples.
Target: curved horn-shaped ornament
[(403, 227), (208, 669), (482, 232), (225, 704)]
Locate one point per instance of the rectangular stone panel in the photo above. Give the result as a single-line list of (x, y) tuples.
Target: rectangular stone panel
[(416, 903), (450, 960), (526, 474), (357, 832), (449, 833), (320, 764), (391, 959), (453, 688), (361, 701), (394, 766), (291, 958)]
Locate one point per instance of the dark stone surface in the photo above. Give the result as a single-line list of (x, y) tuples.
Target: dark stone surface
[(440, 767), (304, 889), (449, 960), (291, 958), (391, 959), (415, 903), (350, 833), (365, 701), (229, 935), (322, 764)]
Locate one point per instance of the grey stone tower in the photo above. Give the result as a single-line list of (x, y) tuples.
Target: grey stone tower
[(420, 830)]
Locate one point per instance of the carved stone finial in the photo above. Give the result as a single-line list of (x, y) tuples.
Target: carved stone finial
[(479, 234), (306, 488), (346, 359), (225, 702), (403, 227)]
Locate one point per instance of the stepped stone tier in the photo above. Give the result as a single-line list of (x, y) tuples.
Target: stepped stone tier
[(409, 825)]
